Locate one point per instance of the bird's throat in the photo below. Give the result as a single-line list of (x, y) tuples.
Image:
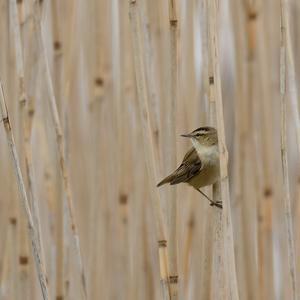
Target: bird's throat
[(204, 151)]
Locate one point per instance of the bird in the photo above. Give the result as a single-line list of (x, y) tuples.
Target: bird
[(199, 168)]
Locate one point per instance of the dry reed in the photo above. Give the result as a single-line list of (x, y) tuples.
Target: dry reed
[(23, 197), (98, 93), (284, 157)]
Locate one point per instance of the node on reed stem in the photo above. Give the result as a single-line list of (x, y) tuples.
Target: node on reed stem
[(229, 257), (149, 149), (61, 150), (32, 230)]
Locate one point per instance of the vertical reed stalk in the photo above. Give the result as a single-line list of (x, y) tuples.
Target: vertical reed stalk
[(14, 284), (229, 256), (60, 140), (148, 144), (119, 32), (291, 74), (23, 197), (57, 68), (151, 78), (170, 142), (265, 205), (246, 101), (23, 251), (217, 288), (98, 96), (211, 218), (24, 141), (284, 157), (187, 249)]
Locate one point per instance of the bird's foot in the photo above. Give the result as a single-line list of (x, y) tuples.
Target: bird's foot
[(212, 203), (217, 204)]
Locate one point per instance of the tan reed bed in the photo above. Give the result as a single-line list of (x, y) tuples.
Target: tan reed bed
[(123, 80)]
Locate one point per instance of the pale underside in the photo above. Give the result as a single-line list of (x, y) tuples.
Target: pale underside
[(196, 171)]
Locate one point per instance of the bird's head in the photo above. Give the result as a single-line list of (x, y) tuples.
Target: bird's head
[(204, 135)]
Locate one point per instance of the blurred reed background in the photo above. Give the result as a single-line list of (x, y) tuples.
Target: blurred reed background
[(97, 94)]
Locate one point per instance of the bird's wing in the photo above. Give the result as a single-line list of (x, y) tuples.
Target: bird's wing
[(190, 166)]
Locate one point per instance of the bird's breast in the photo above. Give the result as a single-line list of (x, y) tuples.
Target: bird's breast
[(209, 173)]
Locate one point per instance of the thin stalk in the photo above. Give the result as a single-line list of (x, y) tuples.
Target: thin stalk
[(23, 249), (217, 280), (57, 68), (60, 142), (148, 145), (284, 158), (209, 237), (211, 221), (153, 93), (119, 32), (14, 284), (291, 73), (5, 264), (229, 256), (266, 201), (187, 248), (26, 123), (170, 146), (24, 140), (98, 94), (32, 230), (246, 103)]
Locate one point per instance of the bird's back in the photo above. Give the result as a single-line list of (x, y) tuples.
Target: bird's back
[(190, 167), (196, 171)]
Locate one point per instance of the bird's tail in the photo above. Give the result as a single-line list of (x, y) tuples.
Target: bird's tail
[(168, 179)]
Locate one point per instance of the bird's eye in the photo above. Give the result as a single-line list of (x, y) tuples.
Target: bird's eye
[(198, 134)]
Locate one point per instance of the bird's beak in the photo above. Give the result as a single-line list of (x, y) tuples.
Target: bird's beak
[(189, 135)]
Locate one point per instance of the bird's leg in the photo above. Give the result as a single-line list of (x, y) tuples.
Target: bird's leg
[(212, 203)]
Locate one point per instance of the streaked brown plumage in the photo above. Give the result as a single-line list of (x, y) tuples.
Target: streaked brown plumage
[(190, 167), (201, 168)]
